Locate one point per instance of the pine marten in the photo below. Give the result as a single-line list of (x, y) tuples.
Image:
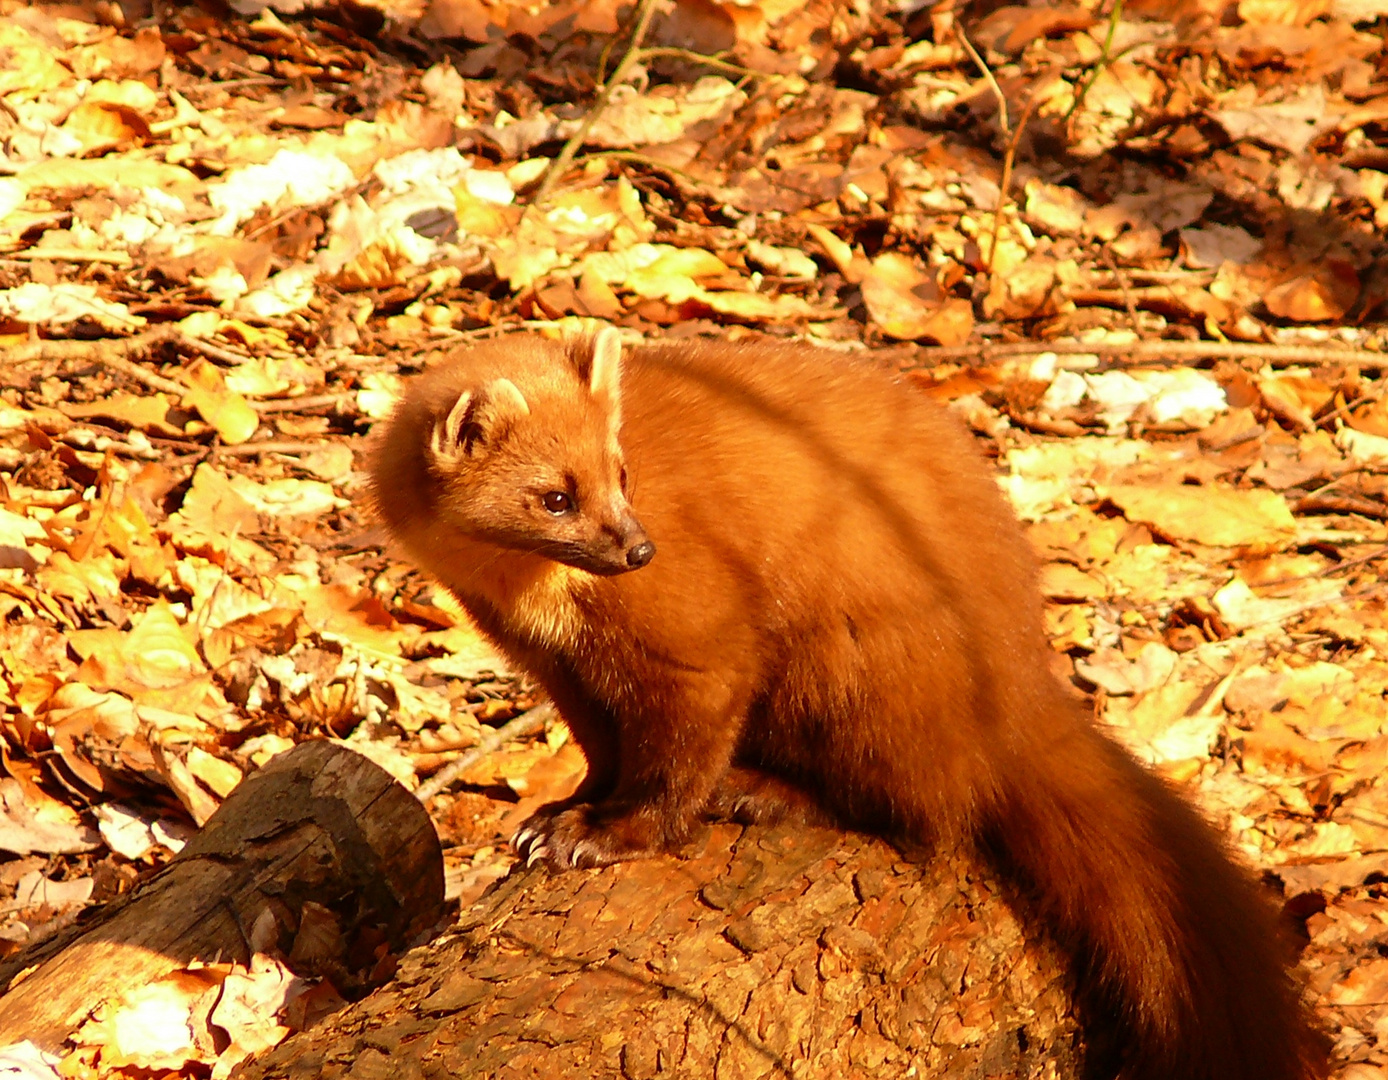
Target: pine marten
[(767, 581)]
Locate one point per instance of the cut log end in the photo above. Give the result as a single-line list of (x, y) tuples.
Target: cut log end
[(319, 836)]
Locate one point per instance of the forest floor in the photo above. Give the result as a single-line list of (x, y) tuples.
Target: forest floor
[(1140, 251)]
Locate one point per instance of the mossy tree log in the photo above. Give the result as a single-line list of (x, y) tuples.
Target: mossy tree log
[(760, 953)]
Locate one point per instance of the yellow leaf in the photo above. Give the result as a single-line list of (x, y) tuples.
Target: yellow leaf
[(226, 411), (1220, 517), (905, 302), (141, 412)]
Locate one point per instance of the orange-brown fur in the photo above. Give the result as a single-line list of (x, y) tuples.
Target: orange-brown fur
[(840, 613)]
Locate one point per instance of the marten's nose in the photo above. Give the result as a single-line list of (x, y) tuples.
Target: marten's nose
[(640, 555)]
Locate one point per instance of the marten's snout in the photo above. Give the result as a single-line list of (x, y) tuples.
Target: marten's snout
[(640, 555)]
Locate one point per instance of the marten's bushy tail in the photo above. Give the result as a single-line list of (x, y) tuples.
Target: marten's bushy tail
[(1180, 959)]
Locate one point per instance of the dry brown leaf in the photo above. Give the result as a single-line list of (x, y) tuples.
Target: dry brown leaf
[(151, 1027), (78, 175), (101, 126), (1274, 744), (219, 776), (665, 113), (1366, 984), (1024, 291), (1296, 396), (33, 890), (155, 663), (98, 573), (33, 821), (1011, 29), (156, 652), (905, 303), (30, 64), (759, 307), (251, 1000), (272, 631), (1282, 12), (851, 265), (1321, 294), (1331, 877), (1064, 581), (141, 412), (1370, 417), (1220, 517), (354, 617), (1068, 626), (213, 519), (199, 804)]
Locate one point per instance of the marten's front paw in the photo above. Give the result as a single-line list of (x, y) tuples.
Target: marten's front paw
[(576, 838), (751, 797)]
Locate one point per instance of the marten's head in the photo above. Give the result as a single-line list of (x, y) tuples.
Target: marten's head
[(531, 460)]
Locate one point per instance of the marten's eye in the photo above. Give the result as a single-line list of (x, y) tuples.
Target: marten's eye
[(557, 502)]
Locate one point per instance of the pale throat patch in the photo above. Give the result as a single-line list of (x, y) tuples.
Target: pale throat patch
[(540, 600)]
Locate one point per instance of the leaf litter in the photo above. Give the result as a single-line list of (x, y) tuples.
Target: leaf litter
[(1139, 251)]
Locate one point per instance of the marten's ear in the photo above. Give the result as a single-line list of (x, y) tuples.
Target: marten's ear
[(477, 417), (504, 401), (605, 372)]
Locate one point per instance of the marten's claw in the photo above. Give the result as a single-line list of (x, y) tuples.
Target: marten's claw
[(585, 854), (523, 838), (570, 839)]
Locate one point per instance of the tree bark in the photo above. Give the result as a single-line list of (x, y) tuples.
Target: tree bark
[(319, 825), (760, 953)]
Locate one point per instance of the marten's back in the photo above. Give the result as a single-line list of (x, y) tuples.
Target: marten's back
[(780, 457), (832, 535)]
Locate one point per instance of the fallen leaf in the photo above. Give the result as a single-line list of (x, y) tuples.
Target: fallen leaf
[(1217, 516), (904, 301), (150, 1027), (50, 827), (101, 126), (33, 890), (1321, 294)]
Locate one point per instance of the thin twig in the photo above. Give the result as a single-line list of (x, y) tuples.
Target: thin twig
[(103, 350), (131, 370), (564, 159), (1318, 575), (282, 446), (1105, 59), (1157, 350), (713, 60), (987, 76), (527, 723), (212, 352), (1009, 158), (647, 160), (1369, 396), (1126, 287), (303, 404)]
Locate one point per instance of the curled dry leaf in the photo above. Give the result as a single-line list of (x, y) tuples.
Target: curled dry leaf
[(101, 126), (33, 890), (152, 1027), (32, 821), (1322, 294), (905, 303)]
